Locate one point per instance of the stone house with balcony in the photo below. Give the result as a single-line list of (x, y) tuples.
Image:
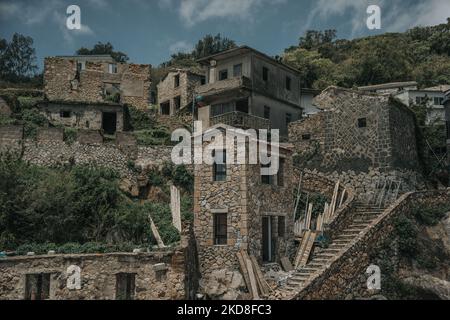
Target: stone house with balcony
[(176, 90), (90, 92), (236, 208), (246, 88)]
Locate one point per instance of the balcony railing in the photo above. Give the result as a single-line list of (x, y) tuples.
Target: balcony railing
[(241, 120)]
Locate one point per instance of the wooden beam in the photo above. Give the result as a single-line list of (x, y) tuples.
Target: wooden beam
[(156, 233), (308, 217), (252, 278), (175, 207), (308, 249), (244, 270)]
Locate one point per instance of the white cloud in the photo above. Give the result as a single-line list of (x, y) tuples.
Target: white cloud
[(196, 11), (180, 46), (396, 15)]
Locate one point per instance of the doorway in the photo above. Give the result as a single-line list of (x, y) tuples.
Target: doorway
[(109, 122), (267, 250)]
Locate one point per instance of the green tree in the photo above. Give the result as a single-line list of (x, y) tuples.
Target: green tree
[(104, 48), (17, 58)]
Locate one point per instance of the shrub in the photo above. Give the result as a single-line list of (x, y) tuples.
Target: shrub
[(140, 120), (183, 178), (407, 236), (70, 135), (429, 216)]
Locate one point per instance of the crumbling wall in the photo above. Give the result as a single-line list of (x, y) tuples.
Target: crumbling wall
[(158, 275), (62, 81)]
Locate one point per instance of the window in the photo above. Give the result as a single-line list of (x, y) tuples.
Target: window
[(165, 108), (223, 75), (288, 118), (266, 179), (220, 167), (362, 123), (288, 83), (65, 114), (37, 286), (280, 175), (267, 112), (112, 68), (306, 136), (237, 70), (177, 103), (221, 108), (220, 229), (438, 101), (202, 80), (265, 74), (281, 227), (420, 100), (177, 81), (447, 123), (125, 286)]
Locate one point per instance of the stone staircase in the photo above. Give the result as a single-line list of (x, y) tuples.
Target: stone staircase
[(363, 216)]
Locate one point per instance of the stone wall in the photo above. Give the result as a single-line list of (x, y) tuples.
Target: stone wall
[(346, 277), (62, 81), (158, 275), (167, 91), (246, 201), (357, 139)]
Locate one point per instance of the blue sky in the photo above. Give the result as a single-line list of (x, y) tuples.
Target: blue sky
[(150, 30)]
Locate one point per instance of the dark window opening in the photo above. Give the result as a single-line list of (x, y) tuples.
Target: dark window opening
[(362, 123), (223, 75), (65, 114), (266, 179), (220, 229), (221, 108), (306, 136), (125, 286), (265, 74), (288, 83), (242, 105), (439, 151), (177, 103), (220, 167), (165, 108), (153, 97), (438, 101), (202, 80), (267, 112), (281, 226), (37, 286), (109, 122), (448, 129), (177, 81), (237, 70), (280, 175)]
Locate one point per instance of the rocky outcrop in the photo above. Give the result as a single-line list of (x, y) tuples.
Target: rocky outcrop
[(223, 285)]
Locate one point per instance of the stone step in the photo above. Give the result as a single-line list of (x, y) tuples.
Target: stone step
[(344, 236), (352, 230), (358, 225)]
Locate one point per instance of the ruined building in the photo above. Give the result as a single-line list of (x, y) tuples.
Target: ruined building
[(90, 92), (176, 90), (359, 138), (246, 88), (236, 208)]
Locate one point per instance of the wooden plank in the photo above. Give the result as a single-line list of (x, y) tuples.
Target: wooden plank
[(342, 198), (326, 212), (301, 248), (298, 195), (252, 278), (286, 264), (156, 233), (175, 207), (308, 217), (319, 222), (243, 266), (264, 287), (334, 199), (308, 248)]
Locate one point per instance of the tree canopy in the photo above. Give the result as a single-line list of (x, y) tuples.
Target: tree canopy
[(104, 48)]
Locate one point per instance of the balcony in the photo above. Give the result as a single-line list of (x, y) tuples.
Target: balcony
[(241, 120), (233, 87)]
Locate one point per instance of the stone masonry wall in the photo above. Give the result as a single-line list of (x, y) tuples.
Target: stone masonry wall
[(346, 277), (167, 91), (62, 82)]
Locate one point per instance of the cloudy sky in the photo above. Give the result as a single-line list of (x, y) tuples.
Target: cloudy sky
[(150, 30)]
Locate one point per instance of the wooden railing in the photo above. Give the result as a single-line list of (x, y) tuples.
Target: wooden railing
[(241, 120)]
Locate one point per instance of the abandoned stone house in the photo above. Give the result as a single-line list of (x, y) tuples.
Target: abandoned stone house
[(90, 92), (237, 208), (176, 90), (359, 138), (246, 88)]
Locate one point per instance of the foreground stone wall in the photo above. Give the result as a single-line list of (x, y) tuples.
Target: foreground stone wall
[(346, 277)]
